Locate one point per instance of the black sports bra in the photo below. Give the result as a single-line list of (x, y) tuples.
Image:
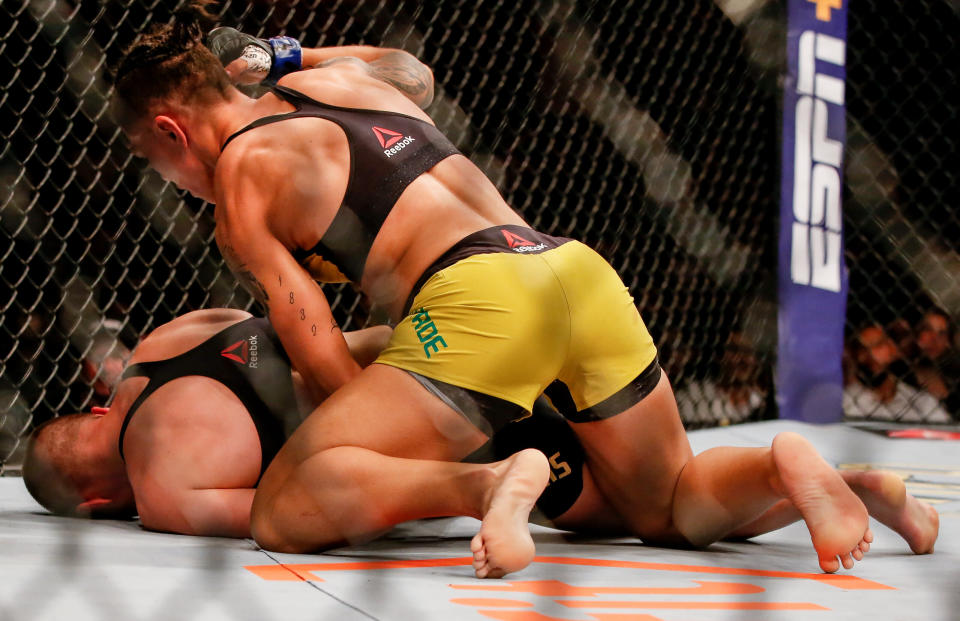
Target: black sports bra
[(388, 150), (248, 359)]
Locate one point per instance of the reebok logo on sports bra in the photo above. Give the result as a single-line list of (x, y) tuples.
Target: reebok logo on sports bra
[(391, 141), (243, 352), (379, 173), (386, 136)]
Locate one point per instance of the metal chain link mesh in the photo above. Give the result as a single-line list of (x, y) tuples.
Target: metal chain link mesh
[(900, 204), (646, 129)]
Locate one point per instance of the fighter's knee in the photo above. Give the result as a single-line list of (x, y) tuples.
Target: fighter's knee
[(263, 528), (659, 528), (693, 535), (692, 503), (268, 537)]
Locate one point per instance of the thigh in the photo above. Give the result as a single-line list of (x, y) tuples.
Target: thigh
[(636, 458), (384, 410), (592, 513), (620, 404)]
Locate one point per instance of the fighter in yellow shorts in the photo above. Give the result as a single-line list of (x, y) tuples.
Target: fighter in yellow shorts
[(340, 164), (508, 313)]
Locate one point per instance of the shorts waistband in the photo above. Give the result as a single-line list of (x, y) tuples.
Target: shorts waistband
[(506, 238)]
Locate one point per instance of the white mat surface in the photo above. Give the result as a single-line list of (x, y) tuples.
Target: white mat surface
[(59, 568)]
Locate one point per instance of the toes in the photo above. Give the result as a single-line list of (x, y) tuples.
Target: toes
[(857, 554), (476, 544), (479, 560), (482, 571), (868, 536), (864, 547), (847, 561), (829, 565)]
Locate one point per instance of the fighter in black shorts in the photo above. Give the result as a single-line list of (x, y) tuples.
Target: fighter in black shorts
[(202, 409), (210, 397)]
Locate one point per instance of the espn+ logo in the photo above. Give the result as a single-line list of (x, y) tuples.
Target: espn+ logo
[(816, 250)]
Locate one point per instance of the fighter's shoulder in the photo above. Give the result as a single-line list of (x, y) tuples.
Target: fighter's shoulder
[(329, 74), (344, 81), (252, 173), (254, 153), (178, 435), (185, 331)]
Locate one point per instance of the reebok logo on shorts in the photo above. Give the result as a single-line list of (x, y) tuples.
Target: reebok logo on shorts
[(388, 140), (519, 244), (243, 352), (427, 332)]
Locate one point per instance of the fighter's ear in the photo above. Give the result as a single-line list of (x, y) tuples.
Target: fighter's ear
[(168, 128), (90, 506)]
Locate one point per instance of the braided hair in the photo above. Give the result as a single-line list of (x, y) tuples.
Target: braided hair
[(169, 62)]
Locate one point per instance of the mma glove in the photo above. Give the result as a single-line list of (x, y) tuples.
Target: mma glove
[(266, 61)]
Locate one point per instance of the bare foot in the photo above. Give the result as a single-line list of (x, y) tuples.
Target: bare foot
[(504, 544), (836, 518), (887, 500)]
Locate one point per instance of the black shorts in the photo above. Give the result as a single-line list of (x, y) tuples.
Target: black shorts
[(546, 430)]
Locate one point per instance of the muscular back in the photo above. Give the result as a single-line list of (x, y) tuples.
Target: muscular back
[(191, 439), (308, 176)]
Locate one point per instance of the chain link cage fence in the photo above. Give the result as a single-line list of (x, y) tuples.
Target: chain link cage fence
[(648, 130), (900, 207)]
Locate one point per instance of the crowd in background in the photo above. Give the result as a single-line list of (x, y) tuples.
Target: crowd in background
[(903, 372)]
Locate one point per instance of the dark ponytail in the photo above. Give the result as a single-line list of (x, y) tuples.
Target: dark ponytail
[(170, 60), (191, 21)]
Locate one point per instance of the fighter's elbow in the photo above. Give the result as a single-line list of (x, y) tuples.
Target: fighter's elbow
[(426, 97), (407, 74)]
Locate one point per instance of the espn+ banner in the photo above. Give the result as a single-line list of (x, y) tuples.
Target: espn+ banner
[(812, 276)]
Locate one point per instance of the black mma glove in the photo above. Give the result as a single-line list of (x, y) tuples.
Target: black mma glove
[(267, 60)]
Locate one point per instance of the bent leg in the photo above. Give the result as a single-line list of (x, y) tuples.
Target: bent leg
[(347, 495), (592, 513), (643, 464), (886, 499), (724, 488), (380, 451), (636, 458)]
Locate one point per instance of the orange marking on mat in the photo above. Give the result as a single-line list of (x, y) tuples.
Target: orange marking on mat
[(530, 615), (843, 581), (697, 605), (852, 582), (555, 588), (279, 572), (489, 601)]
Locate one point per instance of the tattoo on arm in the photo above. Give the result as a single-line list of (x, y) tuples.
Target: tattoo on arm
[(406, 74), (338, 60), (245, 276), (333, 325)]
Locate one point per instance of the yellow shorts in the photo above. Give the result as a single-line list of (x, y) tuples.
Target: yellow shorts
[(511, 310)]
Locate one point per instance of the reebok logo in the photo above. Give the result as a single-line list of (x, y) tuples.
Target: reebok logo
[(519, 244), (387, 137), (391, 141), (243, 352)]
